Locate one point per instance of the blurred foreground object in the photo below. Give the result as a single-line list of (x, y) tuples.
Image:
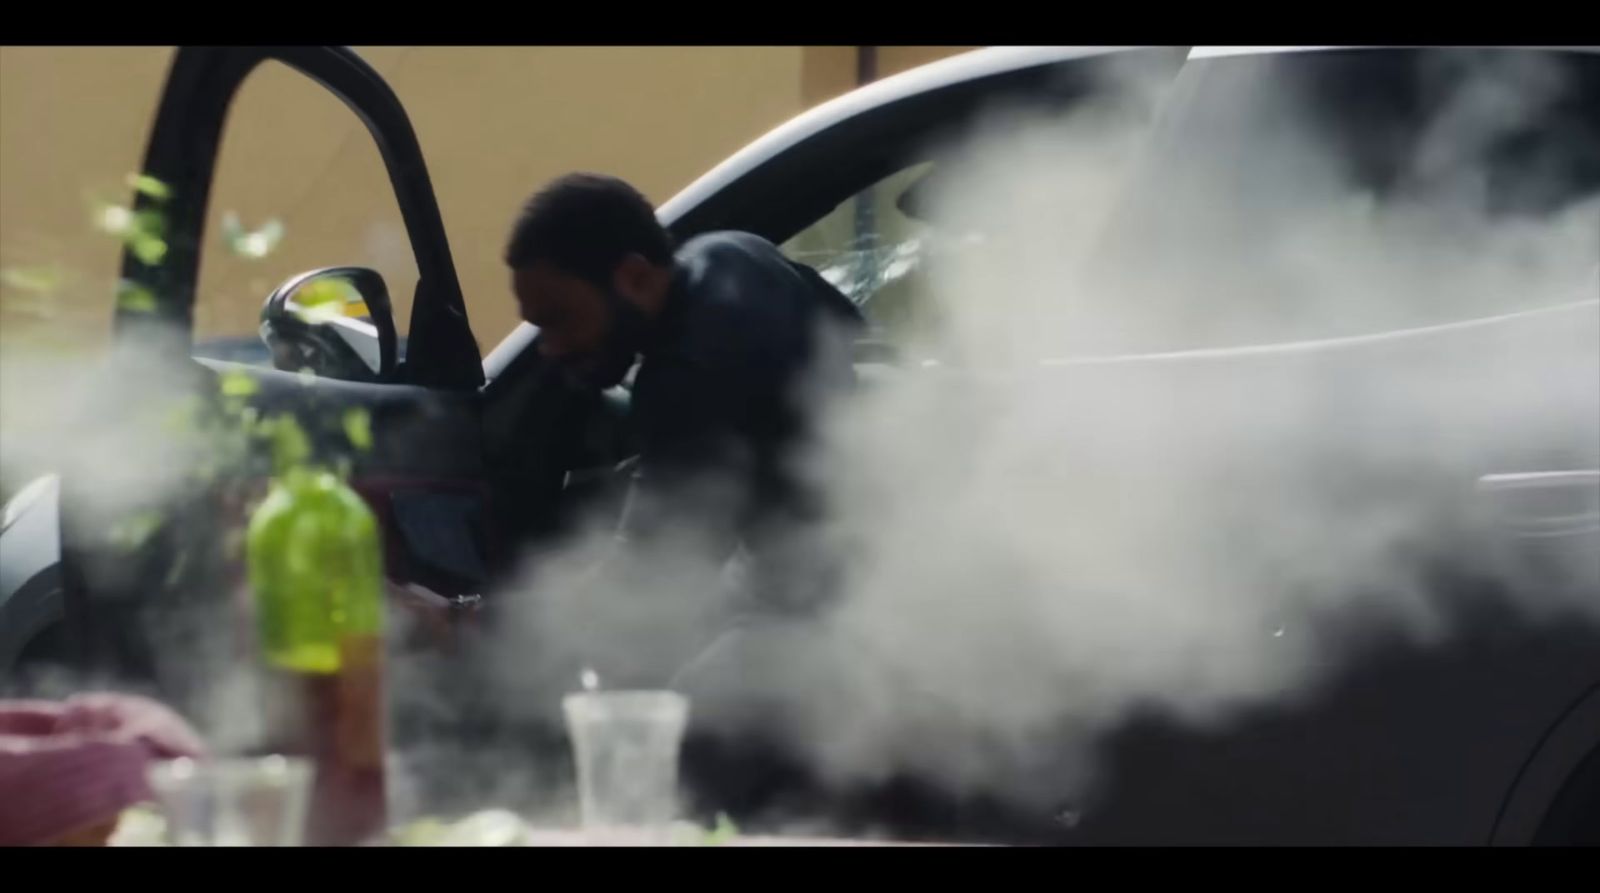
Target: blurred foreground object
[(69, 769), (241, 801), (500, 828), (316, 571), (489, 828), (626, 745)]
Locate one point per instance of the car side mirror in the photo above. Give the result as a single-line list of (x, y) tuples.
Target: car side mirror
[(337, 321)]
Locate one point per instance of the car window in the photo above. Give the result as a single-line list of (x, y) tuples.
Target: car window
[(1278, 198), (872, 250), (299, 185), (1309, 196)]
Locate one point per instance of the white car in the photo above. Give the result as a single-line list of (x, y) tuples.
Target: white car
[(1490, 737)]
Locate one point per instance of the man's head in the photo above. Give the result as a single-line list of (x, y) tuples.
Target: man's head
[(589, 264)]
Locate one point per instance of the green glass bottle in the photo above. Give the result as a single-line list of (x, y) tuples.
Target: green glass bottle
[(316, 574)]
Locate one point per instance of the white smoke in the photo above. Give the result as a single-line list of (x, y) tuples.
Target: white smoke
[(1052, 518), (125, 431), (1055, 520)]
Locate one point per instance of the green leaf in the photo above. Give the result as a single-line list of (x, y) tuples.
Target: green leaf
[(724, 832), (358, 428), (255, 426), (238, 384), (150, 250), (36, 306), (251, 245), (323, 300), (150, 186), (290, 446), (140, 826), (320, 292), (39, 280), (114, 219), (423, 832), (319, 314), (140, 231), (184, 417), (134, 531), (333, 291), (135, 298), (149, 223)]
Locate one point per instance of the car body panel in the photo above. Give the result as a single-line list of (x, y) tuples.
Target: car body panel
[(30, 550)]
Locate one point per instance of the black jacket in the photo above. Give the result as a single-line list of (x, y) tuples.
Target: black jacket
[(737, 368)]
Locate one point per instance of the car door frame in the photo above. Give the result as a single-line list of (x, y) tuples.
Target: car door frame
[(182, 153)]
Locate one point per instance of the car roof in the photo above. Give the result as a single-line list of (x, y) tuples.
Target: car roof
[(954, 70), (957, 69)]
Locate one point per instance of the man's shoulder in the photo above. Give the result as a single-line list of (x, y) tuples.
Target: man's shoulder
[(736, 268), (736, 275), (742, 291), (728, 240), (730, 252), (741, 302)]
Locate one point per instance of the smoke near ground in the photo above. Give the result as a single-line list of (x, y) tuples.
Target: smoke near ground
[(1053, 518), (1192, 408)]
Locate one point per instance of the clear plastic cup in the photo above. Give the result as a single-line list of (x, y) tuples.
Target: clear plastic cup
[(627, 745), (244, 801)]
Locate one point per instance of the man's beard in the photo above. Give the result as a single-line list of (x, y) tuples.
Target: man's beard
[(601, 371), (608, 365)]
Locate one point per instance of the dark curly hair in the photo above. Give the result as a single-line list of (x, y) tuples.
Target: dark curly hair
[(584, 225)]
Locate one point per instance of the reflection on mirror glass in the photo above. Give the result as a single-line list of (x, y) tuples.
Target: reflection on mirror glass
[(336, 305), (325, 323), (280, 206)]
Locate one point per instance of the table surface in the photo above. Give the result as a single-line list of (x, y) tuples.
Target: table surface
[(558, 837)]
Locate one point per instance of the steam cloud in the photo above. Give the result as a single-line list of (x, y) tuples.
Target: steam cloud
[(1125, 467), (1183, 421)]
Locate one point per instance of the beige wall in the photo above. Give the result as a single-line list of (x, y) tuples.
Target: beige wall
[(72, 121), (893, 60), (494, 123)]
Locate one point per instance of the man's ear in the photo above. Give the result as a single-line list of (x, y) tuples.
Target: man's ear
[(637, 279)]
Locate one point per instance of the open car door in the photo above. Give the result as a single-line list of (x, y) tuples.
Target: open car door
[(423, 472)]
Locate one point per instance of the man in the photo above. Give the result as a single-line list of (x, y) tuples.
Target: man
[(735, 344), (736, 349)]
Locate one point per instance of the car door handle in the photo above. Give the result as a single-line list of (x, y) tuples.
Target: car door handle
[(1545, 503)]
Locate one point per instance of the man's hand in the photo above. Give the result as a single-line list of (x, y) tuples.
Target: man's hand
[(69, 769), (436, 617)]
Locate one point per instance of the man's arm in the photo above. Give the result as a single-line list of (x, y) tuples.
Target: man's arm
[(692, 475)]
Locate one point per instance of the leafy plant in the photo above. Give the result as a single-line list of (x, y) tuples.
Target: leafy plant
[(251, 244), (724, 832), (143, 232), (223, 432)]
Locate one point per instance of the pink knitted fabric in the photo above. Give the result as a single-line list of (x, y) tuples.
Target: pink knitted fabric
[(68, 766)]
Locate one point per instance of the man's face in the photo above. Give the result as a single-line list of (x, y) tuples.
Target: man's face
[(594, 335), (571, 314)]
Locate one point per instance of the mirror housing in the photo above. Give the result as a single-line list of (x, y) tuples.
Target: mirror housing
[(336, 321)]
